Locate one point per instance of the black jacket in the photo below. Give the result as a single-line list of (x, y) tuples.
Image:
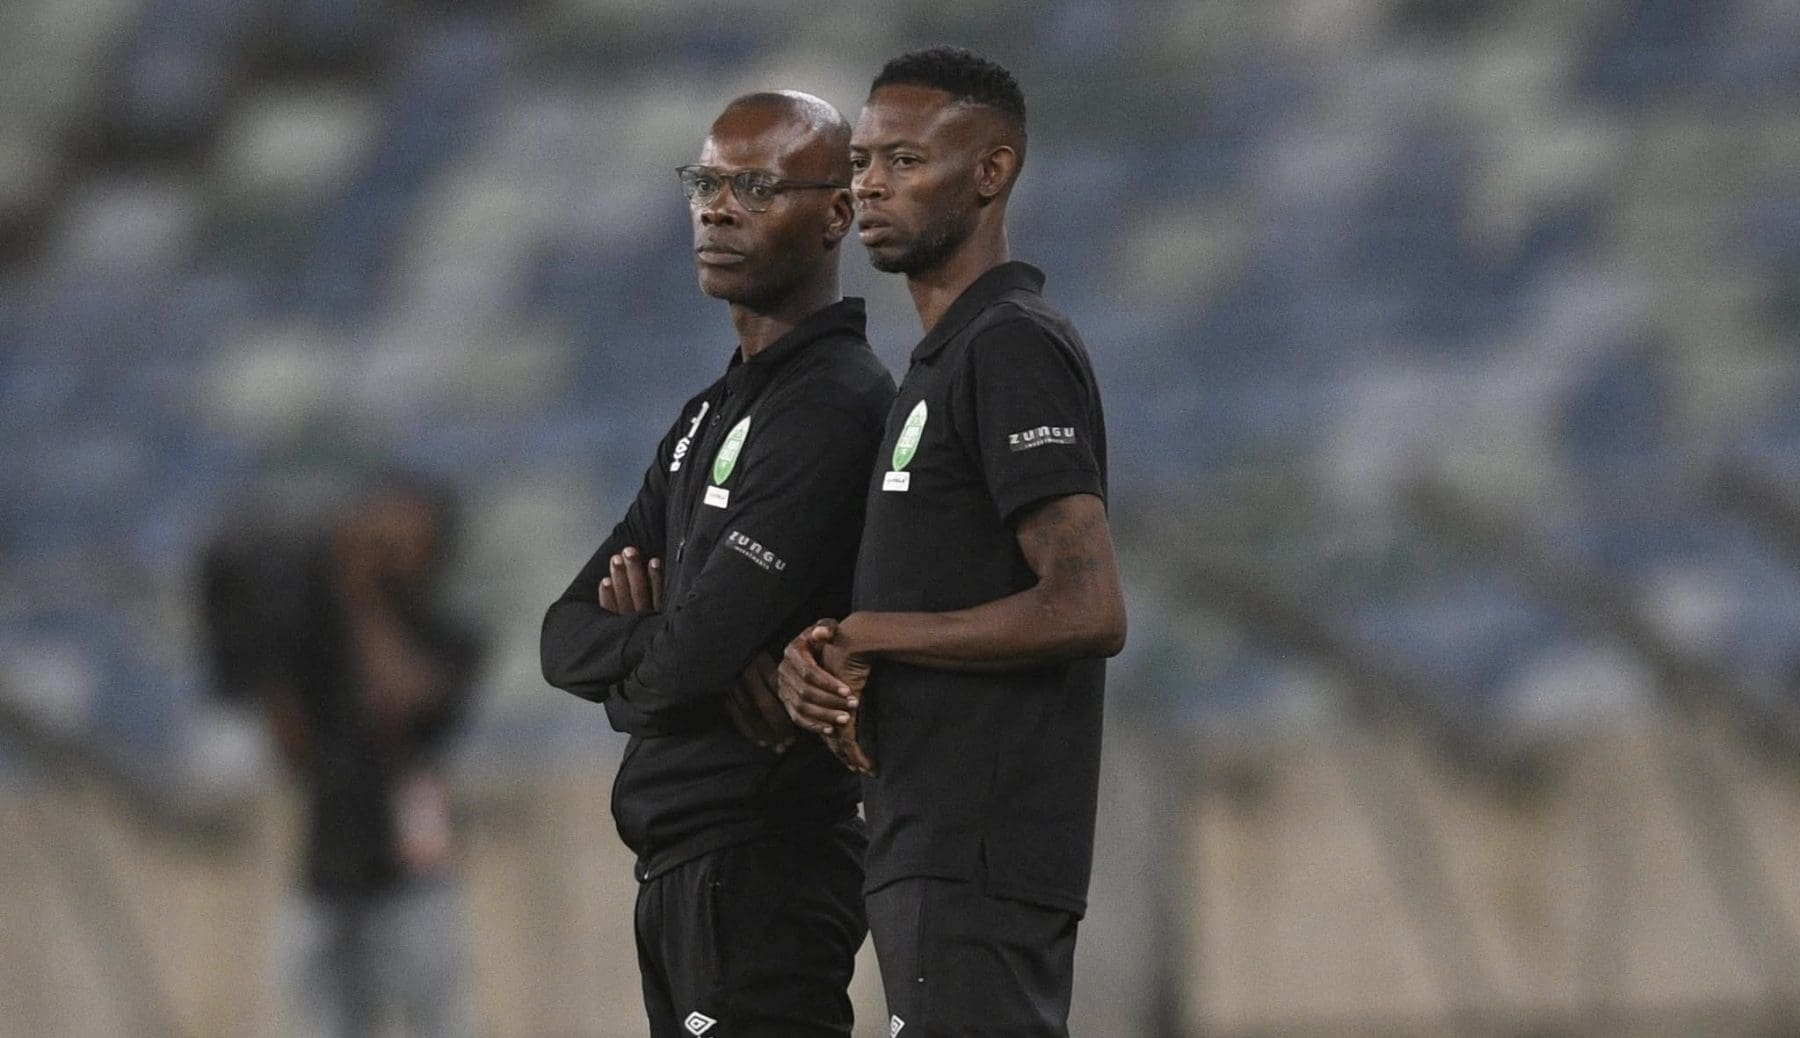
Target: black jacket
[(754, 501)]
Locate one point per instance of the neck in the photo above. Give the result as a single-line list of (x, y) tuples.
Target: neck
[(934, 290), (759, 326)]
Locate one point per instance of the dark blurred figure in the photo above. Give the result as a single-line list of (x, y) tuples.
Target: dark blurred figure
[(331, 629)]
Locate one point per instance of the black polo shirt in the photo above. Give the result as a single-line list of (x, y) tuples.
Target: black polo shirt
[(754, 501), (989, 777)]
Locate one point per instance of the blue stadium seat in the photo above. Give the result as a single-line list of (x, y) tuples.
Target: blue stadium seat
[(1654, 49), (1617, 418)]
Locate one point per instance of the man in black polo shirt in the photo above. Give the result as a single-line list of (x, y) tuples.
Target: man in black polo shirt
[(749, 911), (986, 593)]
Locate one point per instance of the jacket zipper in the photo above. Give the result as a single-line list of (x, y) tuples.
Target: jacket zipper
[(693, 500)]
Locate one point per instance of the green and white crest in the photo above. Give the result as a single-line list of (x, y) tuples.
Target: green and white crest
[(726, 459), (908, 443)]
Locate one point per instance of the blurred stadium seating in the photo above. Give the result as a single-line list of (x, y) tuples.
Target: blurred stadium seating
[(1540, 258), (1540, 248)]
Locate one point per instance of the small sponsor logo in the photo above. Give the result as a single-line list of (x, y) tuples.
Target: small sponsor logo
[(726, 459), (698, 1023), (894, 1025), (718, 497), (755, 552), (896, 481), (1041, 436), (681, 446), (907, 444)]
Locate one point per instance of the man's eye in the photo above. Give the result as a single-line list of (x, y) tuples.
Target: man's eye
[(705, 185), (762, 190), (906, 160), (859, 162)]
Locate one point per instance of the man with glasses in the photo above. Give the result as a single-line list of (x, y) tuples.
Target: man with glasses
[(986, 598), (749, 850)]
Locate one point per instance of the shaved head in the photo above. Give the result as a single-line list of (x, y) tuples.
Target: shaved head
[(819, 143)]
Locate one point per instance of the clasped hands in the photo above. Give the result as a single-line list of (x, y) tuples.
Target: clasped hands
[(821, 682)]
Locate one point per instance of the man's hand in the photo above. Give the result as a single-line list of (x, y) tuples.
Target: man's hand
[(633, 586), (422, 823), (755, 709), (821, 685), (843, 745)]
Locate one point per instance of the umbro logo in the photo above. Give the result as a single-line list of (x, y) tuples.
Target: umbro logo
[(698, 1023), (894, 1025)]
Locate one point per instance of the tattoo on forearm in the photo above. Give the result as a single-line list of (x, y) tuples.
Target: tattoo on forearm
[(1062, 536)]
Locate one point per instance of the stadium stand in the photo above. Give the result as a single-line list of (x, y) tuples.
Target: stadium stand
[(1320, 257)]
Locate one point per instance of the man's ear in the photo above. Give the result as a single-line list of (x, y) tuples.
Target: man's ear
[(839, 217), (994, 172)]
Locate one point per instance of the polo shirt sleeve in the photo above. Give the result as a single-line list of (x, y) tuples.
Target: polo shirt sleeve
[(1031, 423), (584, 649), (793, 510)]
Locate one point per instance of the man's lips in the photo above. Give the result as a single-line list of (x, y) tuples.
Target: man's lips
[(717, 255), (873, 231)]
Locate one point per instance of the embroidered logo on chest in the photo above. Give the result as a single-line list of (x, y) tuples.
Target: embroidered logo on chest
[(906, 447), (724, 461)]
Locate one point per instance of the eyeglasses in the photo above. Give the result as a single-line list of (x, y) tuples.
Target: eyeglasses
[(755, 188)]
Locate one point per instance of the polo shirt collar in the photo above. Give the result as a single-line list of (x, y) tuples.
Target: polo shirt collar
[(996, 282), (847, 316)]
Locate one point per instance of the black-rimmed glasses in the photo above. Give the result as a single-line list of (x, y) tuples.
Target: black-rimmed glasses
[(755, 188)]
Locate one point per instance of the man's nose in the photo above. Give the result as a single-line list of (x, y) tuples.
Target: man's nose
[(719, 211), (867, 184)]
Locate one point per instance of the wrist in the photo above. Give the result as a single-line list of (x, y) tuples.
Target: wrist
[(854, 636)]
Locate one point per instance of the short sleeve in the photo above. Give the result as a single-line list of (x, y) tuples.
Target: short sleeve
[(1034, 408)]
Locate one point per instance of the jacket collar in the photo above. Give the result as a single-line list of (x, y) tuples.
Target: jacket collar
[(847, 316)]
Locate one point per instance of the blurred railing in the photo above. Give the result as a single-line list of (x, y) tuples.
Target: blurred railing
[(1329, 880)]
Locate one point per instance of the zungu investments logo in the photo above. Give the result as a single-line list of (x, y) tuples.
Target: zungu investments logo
[(1042, 436)]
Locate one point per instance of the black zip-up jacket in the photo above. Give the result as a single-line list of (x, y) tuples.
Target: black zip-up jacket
[(755, 504)]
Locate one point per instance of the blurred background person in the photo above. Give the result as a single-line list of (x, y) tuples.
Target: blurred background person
[(334, 633)]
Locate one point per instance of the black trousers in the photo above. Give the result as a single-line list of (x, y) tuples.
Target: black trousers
[(756, 939), (957, 962)]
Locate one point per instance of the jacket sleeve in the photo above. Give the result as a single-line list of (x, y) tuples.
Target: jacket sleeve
[(584, 649), (794, 508)]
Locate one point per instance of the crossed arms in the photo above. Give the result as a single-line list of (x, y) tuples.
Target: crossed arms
[(634, 586), (670, 667)]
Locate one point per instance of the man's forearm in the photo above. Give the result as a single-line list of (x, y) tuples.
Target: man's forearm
[(388, 654), (1074, 610), (1030, 629), (585, 650)]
